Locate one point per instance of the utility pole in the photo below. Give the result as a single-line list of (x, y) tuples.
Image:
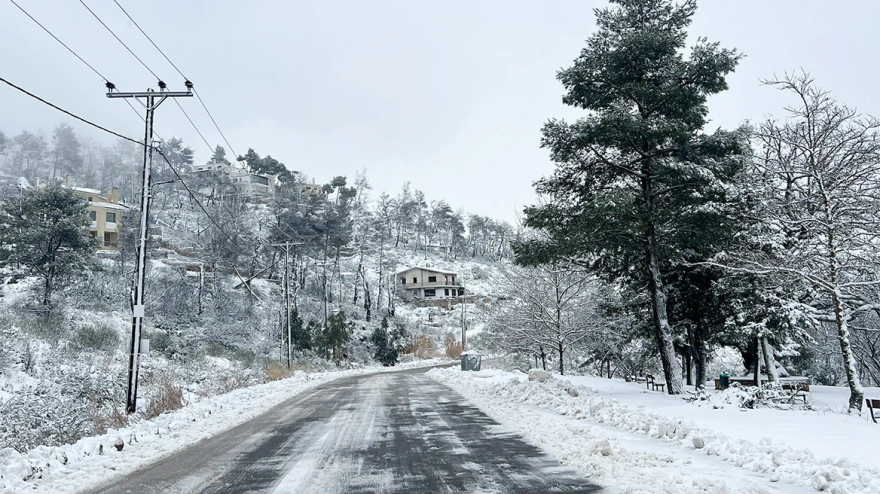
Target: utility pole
[(286, 294), (151, 101), (463, 318)]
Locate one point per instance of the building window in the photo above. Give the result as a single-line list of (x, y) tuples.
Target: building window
[(90, 198), (403, 281), (446, 292), (432, 279), (415, 280), (453, 280), (93, 215), (460, 292), (111, 217), (430, 292)]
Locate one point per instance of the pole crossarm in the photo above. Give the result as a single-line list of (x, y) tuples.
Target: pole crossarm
[(145, 94)]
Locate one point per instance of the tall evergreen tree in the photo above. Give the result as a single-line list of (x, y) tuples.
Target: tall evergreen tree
[(300, 336), (632, 175), (46, 231), (384, 349), (219, 156), (66, 156)]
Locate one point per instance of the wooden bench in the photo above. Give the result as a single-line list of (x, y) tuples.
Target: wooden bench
[(873, 409), (652, 385), (798, 389)]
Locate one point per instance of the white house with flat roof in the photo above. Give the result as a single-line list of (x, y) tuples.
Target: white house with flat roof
[(426, 285)]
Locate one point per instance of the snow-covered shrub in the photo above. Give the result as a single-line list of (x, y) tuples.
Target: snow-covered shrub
[(770, 395), (72, 402), (101, 337), (50, 327)]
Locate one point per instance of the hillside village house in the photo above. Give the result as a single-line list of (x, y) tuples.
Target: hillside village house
[(430, 287), (106, 215), (311, 189), (251, 185)]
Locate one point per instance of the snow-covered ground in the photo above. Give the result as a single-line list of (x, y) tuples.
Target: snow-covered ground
[(633, 440), (93, 460)]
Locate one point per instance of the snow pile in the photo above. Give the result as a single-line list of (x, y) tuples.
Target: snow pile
[(598, 449), (93, 460)]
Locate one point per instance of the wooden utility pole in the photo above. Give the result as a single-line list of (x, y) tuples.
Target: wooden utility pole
[(285, 295), (151, 101)]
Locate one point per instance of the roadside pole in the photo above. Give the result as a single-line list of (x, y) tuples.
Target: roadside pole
[(151, 101)]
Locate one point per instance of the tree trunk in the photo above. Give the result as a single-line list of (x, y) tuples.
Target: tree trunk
[(758, 360), (769, 361), (368, 303), (561, 365), (662, 330), (856, 392), (687, 364), (47, 291), (699, 354)]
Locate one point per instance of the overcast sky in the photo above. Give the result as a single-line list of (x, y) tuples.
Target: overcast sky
[(449, 96)]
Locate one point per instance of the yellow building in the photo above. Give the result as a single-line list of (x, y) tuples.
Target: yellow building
[(106, 214)]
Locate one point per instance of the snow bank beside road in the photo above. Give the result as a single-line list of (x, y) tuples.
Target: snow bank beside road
[(600, 435), (93, 460)]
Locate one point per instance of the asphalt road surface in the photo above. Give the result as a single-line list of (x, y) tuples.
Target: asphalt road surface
[(395, 432)]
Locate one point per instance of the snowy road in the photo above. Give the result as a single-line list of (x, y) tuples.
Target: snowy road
[(393, 433)]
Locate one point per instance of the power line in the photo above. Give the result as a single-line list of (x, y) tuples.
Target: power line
[(58, 40), (120, 41), (81, 59), (150, 39), (32, 95), (161, 84), (185, 114), (201, 101), (215, 123)]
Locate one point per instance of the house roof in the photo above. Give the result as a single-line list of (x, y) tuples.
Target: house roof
[(87, 191), (109, 205), (428, 269)]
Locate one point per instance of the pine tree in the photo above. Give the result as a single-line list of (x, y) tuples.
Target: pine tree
[(300, 336), (633, 175), (336, 335), (384, 349), (47, 232)]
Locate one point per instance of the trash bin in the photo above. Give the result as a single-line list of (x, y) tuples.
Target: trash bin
[(725, 380), (470, 361)]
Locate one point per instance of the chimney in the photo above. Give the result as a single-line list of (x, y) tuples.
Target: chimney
[(113, 195)]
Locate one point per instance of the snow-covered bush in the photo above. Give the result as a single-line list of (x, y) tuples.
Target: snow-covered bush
[(67, 403), (769, 395), (101, 337)]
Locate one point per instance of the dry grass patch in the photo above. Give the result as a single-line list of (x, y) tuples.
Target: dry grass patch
[(276, 370), (453, 347), (168, 397), (423, 346)]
